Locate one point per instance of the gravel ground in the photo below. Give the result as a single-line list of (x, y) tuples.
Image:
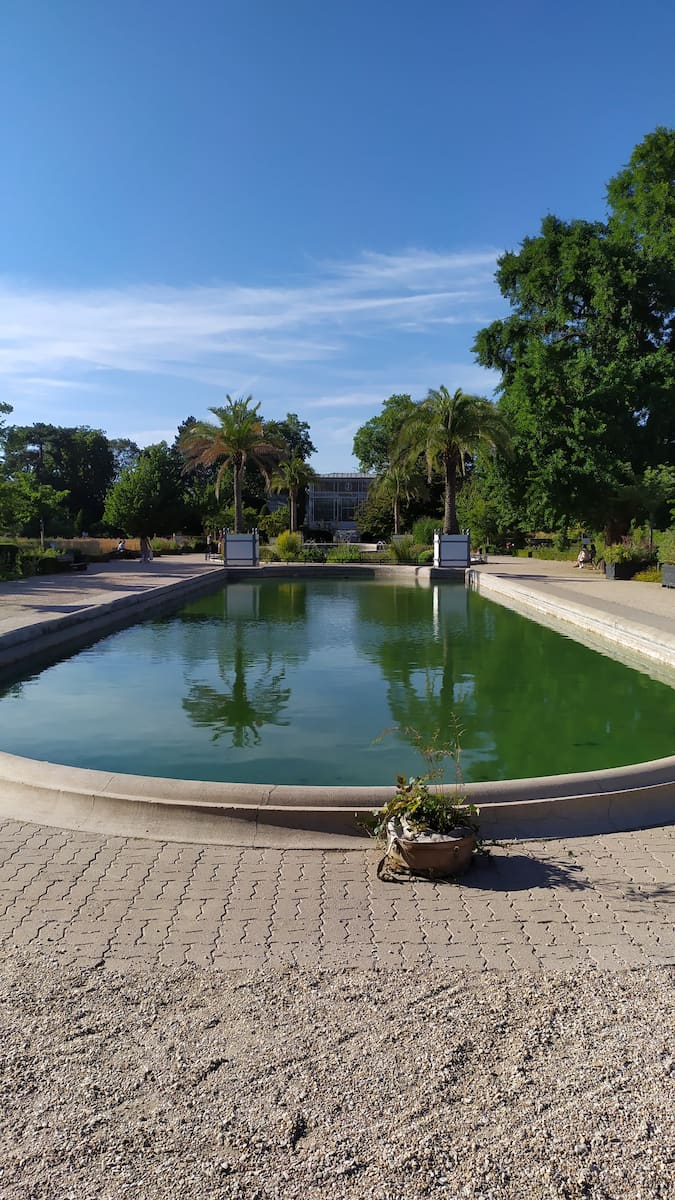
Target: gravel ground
[(194, 1083)]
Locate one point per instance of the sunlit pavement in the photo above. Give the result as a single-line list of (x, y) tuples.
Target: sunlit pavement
[(605, 901)]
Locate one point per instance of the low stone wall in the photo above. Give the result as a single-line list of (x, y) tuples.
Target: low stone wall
[(321, 818)]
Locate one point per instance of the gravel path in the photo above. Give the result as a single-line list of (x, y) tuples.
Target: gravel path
[(188, 1082)]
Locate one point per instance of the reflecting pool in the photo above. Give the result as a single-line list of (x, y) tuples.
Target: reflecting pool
[(293, 681)]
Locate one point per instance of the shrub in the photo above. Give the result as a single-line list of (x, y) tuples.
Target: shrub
[(424, 529), (312, 554), (289, 546), (628, 551), (405, 550), (169, 546), (666, 546), (344, 554), (426, 558), (651, 575)]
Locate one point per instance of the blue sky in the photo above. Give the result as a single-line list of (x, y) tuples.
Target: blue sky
[(299, 199)]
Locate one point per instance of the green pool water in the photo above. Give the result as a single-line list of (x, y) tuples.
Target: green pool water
[(293, 682)]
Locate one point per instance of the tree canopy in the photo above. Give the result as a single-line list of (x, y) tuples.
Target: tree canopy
[(149, 497), (587, 356), (76, 460)]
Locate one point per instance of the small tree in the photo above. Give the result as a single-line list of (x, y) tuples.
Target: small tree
[(292, 476)]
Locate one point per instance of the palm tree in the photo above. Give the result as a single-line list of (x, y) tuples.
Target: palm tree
[(396, 484), (237, 437), (292, 476), (445, 429)]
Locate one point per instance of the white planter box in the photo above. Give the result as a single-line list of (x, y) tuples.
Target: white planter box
[(452, 550), (241, 549)]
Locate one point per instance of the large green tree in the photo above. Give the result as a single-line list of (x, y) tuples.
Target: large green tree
[(149, 497), (587, 355), (79, 461), (236, 438), (376, 440), (293, 434), (447, 429)]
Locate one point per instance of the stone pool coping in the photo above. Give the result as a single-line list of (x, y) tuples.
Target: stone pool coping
[(578, 804), (181, 810)]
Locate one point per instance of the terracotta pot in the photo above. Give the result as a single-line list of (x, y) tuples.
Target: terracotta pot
[(448, 856)]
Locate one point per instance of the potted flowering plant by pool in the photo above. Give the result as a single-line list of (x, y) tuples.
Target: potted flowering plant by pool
[(427, 831)]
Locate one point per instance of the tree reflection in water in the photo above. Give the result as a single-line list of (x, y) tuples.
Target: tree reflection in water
[(254, 693), (245, 705)]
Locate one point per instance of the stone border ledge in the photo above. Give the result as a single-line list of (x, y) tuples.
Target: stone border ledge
[(261, 815)]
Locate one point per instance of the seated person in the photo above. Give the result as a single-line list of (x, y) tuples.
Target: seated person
[(121, 547), (583, 557)]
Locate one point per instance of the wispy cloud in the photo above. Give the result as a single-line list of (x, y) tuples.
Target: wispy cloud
[(50, 334), (339, 337)]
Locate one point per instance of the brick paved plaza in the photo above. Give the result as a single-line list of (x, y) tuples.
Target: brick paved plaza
[(606, 901)]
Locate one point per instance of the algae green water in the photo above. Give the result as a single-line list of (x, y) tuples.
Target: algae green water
[(293, 682)]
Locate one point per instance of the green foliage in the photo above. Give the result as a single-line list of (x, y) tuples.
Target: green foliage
[(292, 434), (414, 799), (312, 554), (26, 504), (666, 546), (586, 356), (344, 554), (272, 524), (446, 430), (424, 809), (148, 498), (374, 442), (289, 546), (424, 529), (629, 551), (425, 558), (405, 550), (650, 575), (10, 560), (76, 462), (292, 476), (238, 437), (375, 518), (171, 546)]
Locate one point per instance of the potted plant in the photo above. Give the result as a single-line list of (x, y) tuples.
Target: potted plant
[(624, 559), (429, 830), (666, 552)]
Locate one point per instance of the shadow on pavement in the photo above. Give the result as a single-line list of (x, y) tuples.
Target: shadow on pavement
[(520, 873)]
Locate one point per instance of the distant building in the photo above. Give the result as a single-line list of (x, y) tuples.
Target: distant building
[(333, 500)]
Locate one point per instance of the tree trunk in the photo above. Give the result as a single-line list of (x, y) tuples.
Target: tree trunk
[(238, 518), (293, 507), (450, 519), (397, 515)]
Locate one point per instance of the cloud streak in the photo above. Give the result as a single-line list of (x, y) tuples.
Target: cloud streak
[(335, 342), (49, 333)]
